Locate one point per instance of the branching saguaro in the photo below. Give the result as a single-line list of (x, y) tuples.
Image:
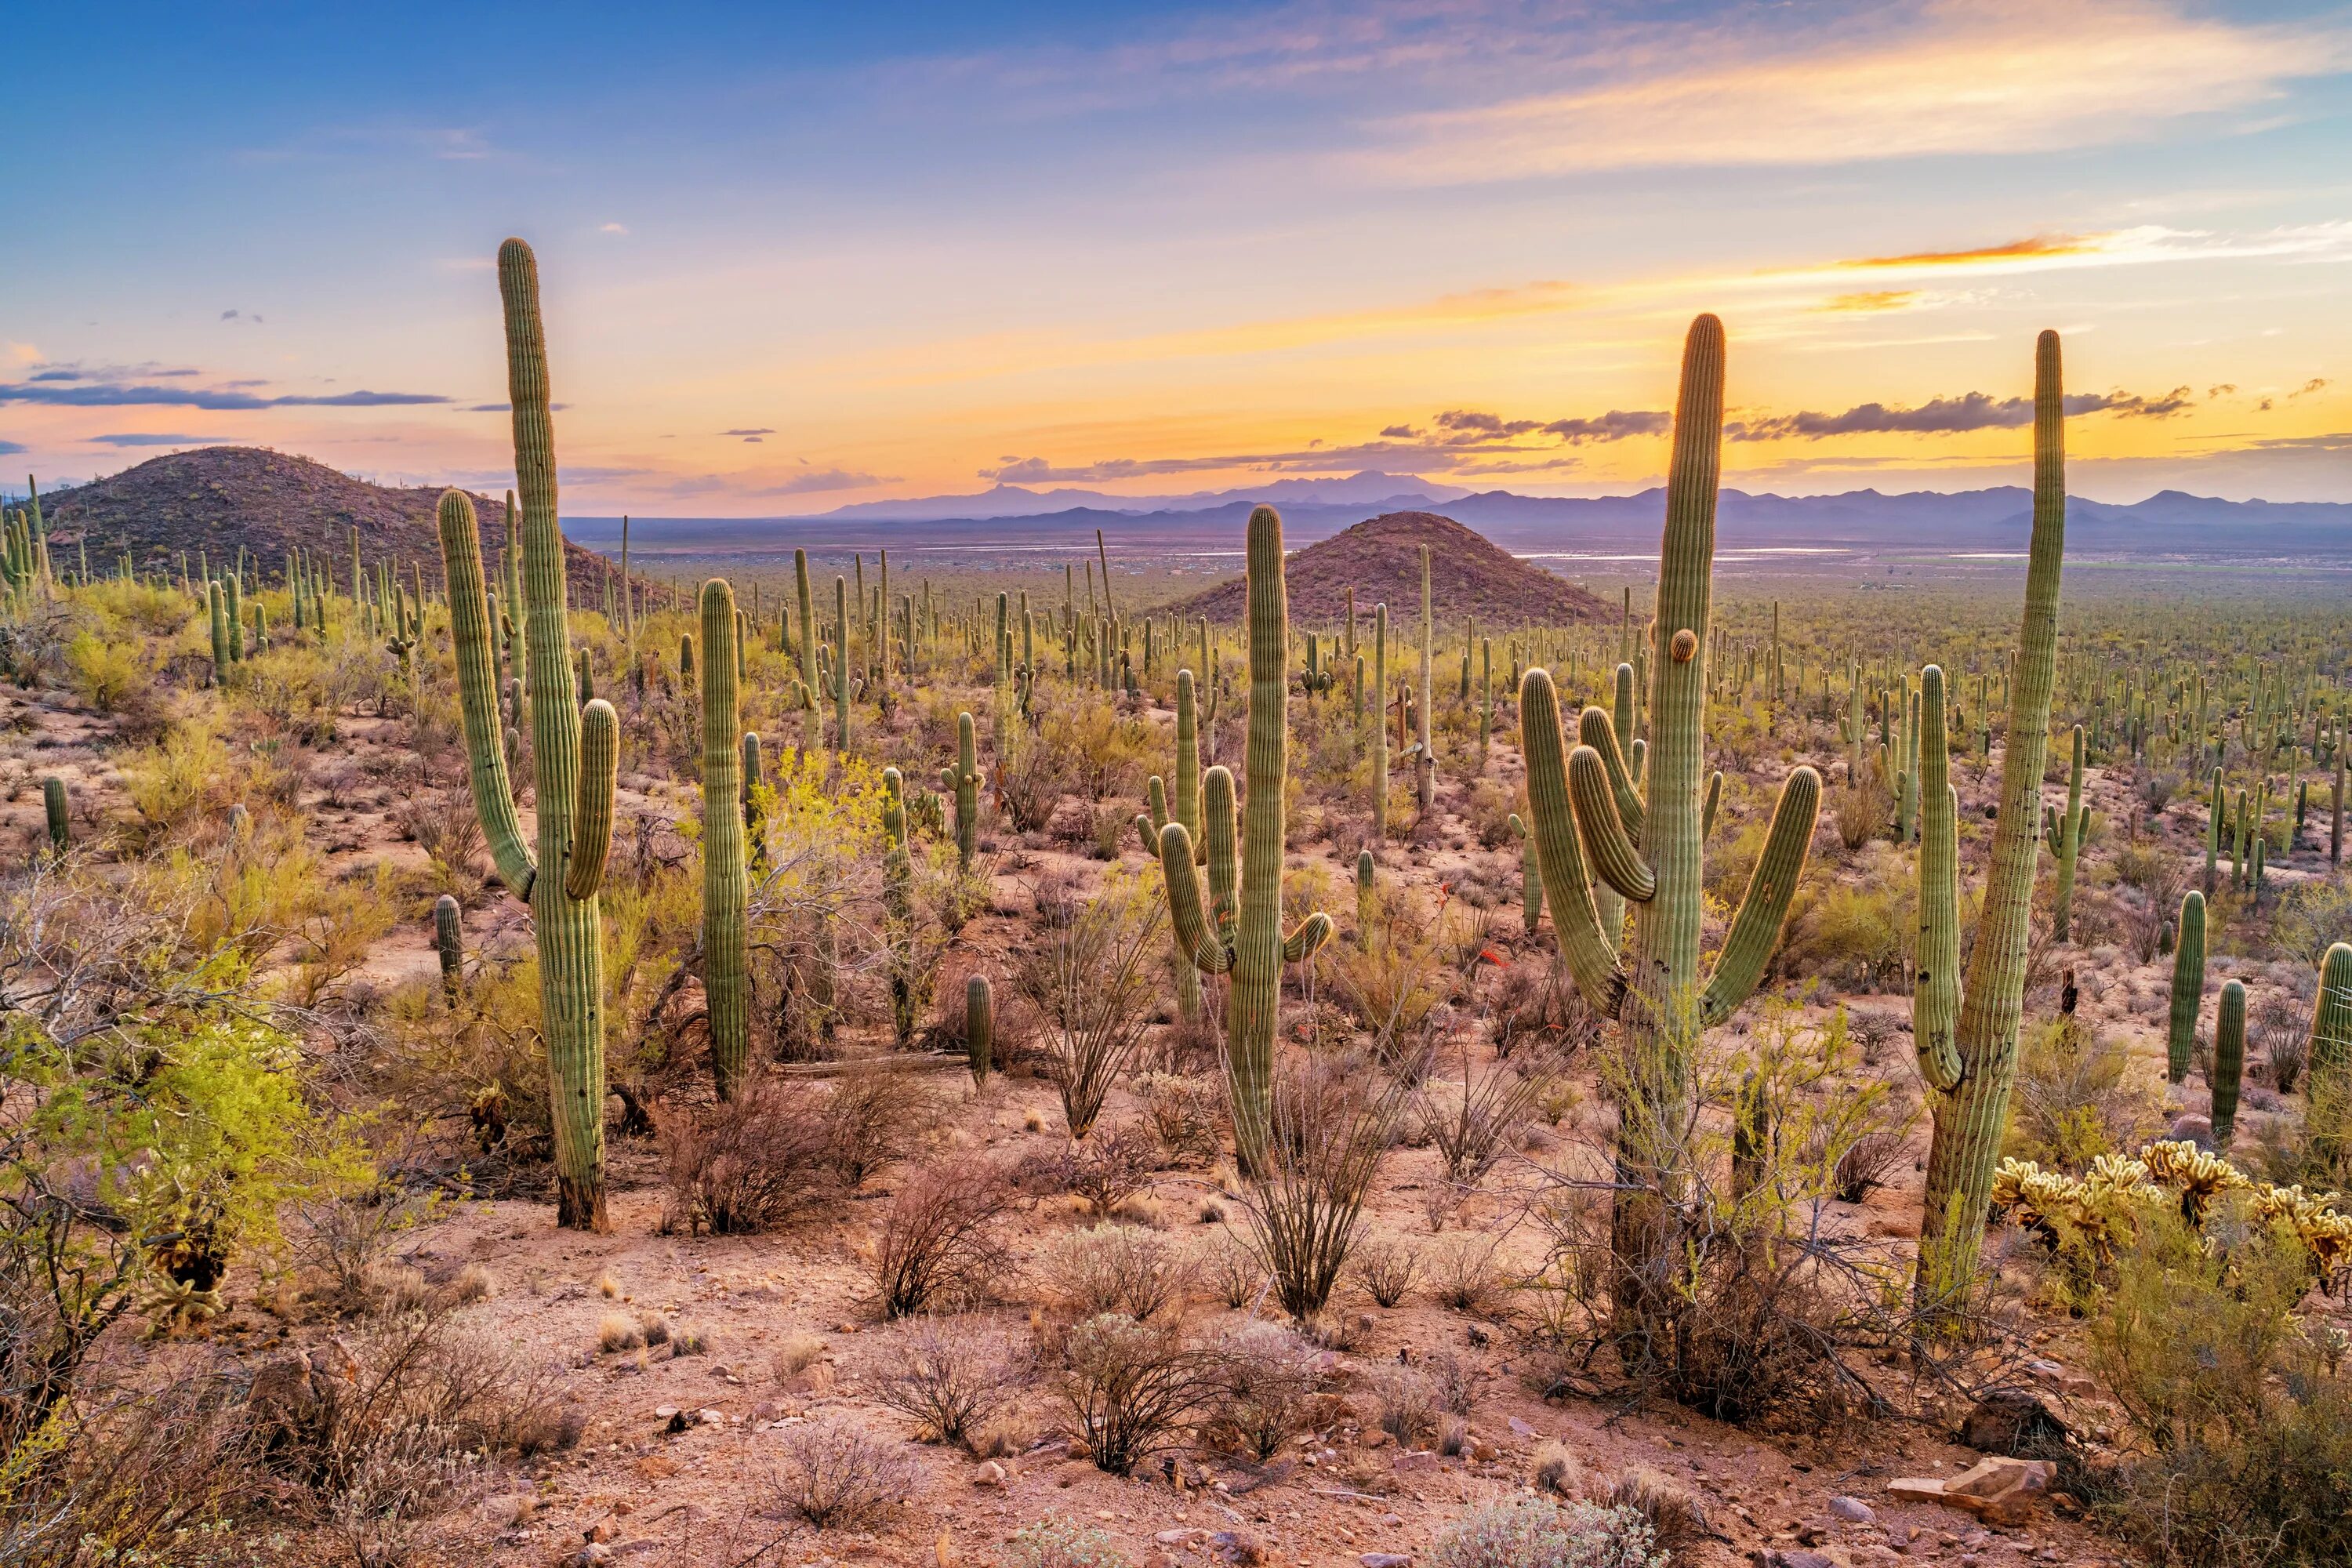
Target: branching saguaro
[(575, 751), (1967, 1034), (1241, 935), (1647, 845)]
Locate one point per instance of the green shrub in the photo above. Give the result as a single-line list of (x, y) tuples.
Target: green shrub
[(1056, 1542), (1536, 1533)]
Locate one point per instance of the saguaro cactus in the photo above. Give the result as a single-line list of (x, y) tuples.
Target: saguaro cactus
[(1380, 723), (1648, 845), (575, 753), (2229, 1059), (1248, 943), (978, 1026), (2188, 986), (1970, 1079), (2331, 1015), (449, 942), (1531, 876), (2065, 834), (55, 805), (961, 783), (725, 886)]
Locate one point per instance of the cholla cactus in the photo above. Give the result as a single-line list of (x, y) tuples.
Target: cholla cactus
[(1244, 937)]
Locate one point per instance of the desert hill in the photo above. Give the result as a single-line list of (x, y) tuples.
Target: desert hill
[(216, 499), (1380, 559)]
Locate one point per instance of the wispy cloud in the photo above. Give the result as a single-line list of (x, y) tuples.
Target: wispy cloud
[(10, 448), (814, 481), (78, 394), (1949, 416), (1963, 76), (1872, 299), (153, 438)]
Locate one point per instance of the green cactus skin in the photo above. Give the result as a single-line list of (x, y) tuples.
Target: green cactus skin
[(841, 668), (2188, 986), (2331, 1014), (449, 941), (1380, 723), (55, 806), (979, 1028), (1936, 990), (1187, 754), (1657, 990), (961, 783), (2335, 807), (2229, 1059), (1367, 876), (2067, 844), (1532, 894), (575, 753), (216, 608), (1424, 757), (807, 646), (1970, 1119), (725, 886), (2215, 809), (1251, 946), (236, 611)]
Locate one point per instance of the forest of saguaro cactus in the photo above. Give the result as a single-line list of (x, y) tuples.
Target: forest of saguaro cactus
[(513, 1057)]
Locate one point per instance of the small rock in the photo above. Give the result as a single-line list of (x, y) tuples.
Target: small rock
[(2011, 1421), (714, 1418), (600, 1531), (1854, 1511), (589, 1556), (991, 1474), (1377, 1439), (1385, 1560), (1419, 1459), (1520, 1428), (1772, 1558), (664, 1412)]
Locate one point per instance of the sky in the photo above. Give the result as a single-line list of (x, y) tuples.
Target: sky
[(795, 256)]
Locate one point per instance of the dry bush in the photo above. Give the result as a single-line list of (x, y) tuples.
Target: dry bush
[(1870, 1159), (1387, 1269), (2282, 1031), (939, 1246), (340, 1244), (1536, 1533), (1088, 977), (127, 1475), (953, 1379), (1391, 982), (1675, 1516), (2078, 1096), (875, 1118), (1105, 1170), (1186, 1114), (799, 1351), (1235, 1269), (1474, 1120), (1455, 1379), (830, 1474), (1539, 1004), (1462, 1272), (753, 1164), (1861, 810), (1129, 1387), (1404, 1402), (1305, 1210), (1115, 1268), (1056, 1542), (1265, 1378)]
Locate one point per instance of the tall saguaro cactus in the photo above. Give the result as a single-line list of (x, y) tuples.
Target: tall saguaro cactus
[(725, 886), (1971, 1081), (1647, 845), (2188, 986), (2065, 835), (2229, 1059), (1246, 941), (575, 753)]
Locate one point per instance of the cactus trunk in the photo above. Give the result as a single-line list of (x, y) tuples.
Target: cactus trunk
[(725, 886), (2229, 1059)]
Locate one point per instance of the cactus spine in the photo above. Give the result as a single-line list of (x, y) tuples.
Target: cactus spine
[(1648, 844), (2067, 842), (725, 887), (1969, 1113), (2229, 1059), (1253, 949), (575, 753), (449, 941), (2188, 986)]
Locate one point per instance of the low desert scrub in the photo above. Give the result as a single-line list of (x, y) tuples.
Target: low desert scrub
[(1304, 1212), (1266, 1378), (2078, 1096), (128, 1477), (799, 1351), (1462, 1273), (1404, 1402), (1473, 1119), (1387, 1268), (1675, 1516), (757, 1163), (1115, 1268), (1536, 1533), (1235, 1269), (1056, 1542), (1186, 1114), (952, 1379), (1128, 1388), (939, 1247), (1088, 976), (618, 1331), (874, 1118), (1105, 1170), (832, 1475)]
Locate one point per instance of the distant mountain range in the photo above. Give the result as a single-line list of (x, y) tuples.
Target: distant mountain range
[(2169, 523)]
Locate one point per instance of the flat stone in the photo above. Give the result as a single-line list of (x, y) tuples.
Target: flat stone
[(1854, 1511), (1419, 1459), (1385, 1560), (1520, 1428)]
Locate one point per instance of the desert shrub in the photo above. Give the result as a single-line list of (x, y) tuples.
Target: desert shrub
[(1846, 928), (1265, 1386), (1539, 1004), (1186, 1114), (1056, 1542), (939, 1246), (2078, 1096), (1675, 1516), (1115, 1268), (2282, 1032), (1304, 1209), (1536, 1533), (1106, 1170), (755, 1163), (1235, 1269), (1473, 1120), (2312, 916), (874, 1117), (1128, 1386), (1030, 777), (127, 1475), (2240, 1410), (832, 1475), (1462, 1273), (1870, 1159), (952, 1379), (1391, 981), (1404, 1402), (1088, 977), (112, 677), (1861, 810), (1387, 1269), (188, 771)]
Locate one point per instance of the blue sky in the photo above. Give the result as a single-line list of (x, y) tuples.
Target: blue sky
[(796, 256)]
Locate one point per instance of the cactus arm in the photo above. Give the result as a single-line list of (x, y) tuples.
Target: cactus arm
[(1605, 842), (1209, 952), (1594, 730), (1756, 929), (1221, 852), (1590, 960), (1936, 990), (592, 831), (1311, 934), (477, 703), (1155, 795), (1714, 796)]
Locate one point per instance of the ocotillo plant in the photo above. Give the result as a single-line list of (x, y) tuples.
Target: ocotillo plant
[(1648, 847), (2065, 835), (1248, 942), (2188, 986), (449, 941), (1970, 1079), (2229, 1059), (979, 1028), (575, 753), (725, 886)]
